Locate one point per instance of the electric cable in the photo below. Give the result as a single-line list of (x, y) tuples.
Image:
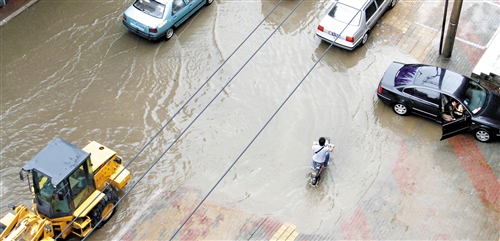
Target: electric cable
[(265, 125), (170, 120), (211, 101), (230, 167)]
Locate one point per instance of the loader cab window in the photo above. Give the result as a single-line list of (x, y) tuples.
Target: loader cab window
[(43, 187), (52, 201), (81, 184)]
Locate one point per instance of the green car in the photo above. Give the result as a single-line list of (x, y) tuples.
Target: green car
[(156, 19)]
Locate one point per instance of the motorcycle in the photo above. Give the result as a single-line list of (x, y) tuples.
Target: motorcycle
[(319, 168)]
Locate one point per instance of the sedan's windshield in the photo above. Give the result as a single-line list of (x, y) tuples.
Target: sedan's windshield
[(150, 7), (475, 96), (344, 13)]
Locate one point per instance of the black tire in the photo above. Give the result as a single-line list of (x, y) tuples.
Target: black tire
[(400, 109), (103, 208), (209, 2), (364, 39), (392, 4), (315, 178), (169, 34), (482, 135)]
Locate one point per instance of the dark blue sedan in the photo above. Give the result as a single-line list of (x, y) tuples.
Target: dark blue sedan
[(457, 102)]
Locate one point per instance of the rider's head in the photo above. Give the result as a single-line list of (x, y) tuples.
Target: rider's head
[(321, 141)]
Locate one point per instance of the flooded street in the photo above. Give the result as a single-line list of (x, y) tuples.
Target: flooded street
[(72, 70)]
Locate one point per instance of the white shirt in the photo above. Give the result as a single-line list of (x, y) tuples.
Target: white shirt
[(320, 156)]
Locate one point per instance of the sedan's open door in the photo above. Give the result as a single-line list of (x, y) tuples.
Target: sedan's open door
[(457, 126)]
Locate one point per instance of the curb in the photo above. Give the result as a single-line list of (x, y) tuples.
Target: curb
[(17, 12)]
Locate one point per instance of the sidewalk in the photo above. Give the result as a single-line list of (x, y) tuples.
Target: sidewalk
[(488, 67), (415, 27)]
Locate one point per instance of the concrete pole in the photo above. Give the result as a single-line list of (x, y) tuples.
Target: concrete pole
[(452, 28)]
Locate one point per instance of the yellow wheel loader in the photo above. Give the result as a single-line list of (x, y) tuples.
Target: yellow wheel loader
[(70, 194)]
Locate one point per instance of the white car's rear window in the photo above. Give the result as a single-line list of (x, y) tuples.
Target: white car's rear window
[(150, 7), (345, 14)]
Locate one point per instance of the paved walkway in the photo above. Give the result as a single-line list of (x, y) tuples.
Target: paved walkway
[(489, 64), (415, 27)]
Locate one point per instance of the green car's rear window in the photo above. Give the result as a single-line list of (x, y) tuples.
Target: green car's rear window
[(150, 7)]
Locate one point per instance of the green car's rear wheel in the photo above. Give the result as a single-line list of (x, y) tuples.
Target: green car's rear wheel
[(169, 34)]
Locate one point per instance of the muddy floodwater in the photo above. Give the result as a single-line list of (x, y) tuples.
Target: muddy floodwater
[(70, 69)]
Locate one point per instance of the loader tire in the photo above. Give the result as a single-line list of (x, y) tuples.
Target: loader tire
[(104, 209)]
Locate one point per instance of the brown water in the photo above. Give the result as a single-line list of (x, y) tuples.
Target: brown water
[(71, 69)]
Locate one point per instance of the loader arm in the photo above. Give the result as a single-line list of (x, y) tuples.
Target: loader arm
[(25, 225)]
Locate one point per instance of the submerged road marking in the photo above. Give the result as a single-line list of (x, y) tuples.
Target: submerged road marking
[(285, 232), (457, 38), (356, 226)]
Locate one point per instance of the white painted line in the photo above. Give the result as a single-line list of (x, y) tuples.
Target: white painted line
[(492, 3), (459, 39)]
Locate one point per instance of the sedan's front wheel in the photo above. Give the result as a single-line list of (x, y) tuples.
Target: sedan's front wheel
[(209, 2), (400, 109), (482, 135), (169, 34)]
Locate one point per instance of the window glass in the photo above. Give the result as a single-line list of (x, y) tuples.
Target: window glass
[(177, 5), (427, 94), (370, 11), (77, 183), (61, 204), (150, 7), (345, 14), (475, 96), (408, 91), (379, 2), (43, 187), (429, 75)]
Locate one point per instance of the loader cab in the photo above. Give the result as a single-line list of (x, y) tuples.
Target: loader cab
[(61, 178)]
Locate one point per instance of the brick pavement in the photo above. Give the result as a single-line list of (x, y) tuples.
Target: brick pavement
[(415, 27)]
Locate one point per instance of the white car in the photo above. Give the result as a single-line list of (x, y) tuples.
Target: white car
[(348, 22)]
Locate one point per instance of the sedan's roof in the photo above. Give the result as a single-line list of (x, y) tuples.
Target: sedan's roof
[(431, 76)]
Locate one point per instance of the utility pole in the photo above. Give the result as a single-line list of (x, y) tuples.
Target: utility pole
[(452, 28), (443, 27)]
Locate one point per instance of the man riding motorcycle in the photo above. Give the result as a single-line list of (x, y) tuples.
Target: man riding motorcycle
[(321, 152)]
